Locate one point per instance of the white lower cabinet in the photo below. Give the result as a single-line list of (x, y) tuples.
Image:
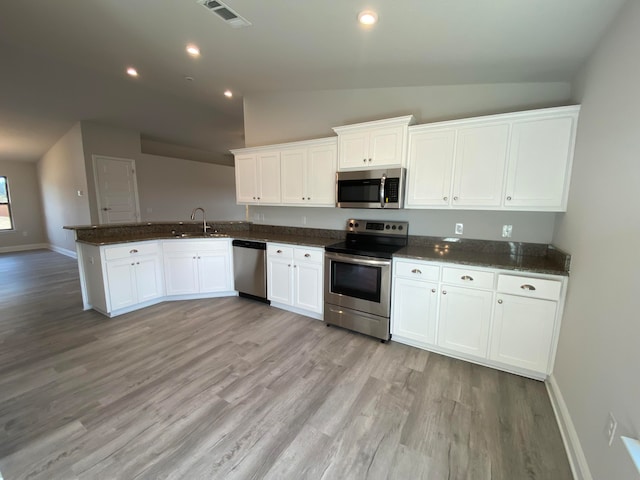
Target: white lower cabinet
[(488, 316), (133, 281), (295, 278), (524, 322), (464, 321), (197, 267)]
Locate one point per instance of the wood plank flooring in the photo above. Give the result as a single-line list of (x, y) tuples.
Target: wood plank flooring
[(233, 389)]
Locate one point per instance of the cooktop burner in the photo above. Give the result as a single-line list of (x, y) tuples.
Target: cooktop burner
[(370, 238)]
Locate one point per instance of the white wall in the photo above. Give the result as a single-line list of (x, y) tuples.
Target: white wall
[(597, 361), (282, 117), (26, 206), (61, 173)]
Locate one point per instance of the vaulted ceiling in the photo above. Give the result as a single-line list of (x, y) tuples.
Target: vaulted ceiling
[(62, 61)]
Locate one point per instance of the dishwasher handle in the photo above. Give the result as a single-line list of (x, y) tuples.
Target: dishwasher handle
[(249, 244)]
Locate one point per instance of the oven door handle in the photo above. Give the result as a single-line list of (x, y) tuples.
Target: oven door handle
[(382, 182), (357, 259)]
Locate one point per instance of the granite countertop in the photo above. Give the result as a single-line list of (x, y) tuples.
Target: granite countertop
[(548, 264), (517, 256)]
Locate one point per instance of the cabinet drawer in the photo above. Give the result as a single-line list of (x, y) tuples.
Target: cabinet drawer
[(309, 255), (130, 250), (530, 287), (416, 271), (183, 245), (467, 278), (279, 251)]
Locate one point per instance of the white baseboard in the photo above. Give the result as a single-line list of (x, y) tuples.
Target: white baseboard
[(63, 251), (579, 465), (23, 248)]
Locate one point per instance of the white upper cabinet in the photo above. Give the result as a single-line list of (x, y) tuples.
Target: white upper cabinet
[(515, 161), (296, 174), (481, 153), (309, 173), (258, 177), (540, 160), (381, 143), (431, 155)]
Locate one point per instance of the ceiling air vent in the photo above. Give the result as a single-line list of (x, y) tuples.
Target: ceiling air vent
[(230, 17)]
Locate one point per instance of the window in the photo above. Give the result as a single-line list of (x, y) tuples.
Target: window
[(6, 223)]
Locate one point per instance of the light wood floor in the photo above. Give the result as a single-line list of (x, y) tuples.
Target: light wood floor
[(233, 389)]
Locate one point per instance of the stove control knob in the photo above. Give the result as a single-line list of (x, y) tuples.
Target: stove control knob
[(387, 226), (399, 227), (393, 227), (351, 224), (357, 224)]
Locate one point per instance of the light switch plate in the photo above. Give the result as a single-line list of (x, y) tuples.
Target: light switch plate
[(459, 228)]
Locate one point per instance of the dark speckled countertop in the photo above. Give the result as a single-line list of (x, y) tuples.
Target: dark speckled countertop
[(517, 256)]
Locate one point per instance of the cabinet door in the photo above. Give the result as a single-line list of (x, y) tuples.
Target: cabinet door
[(415, 308), (321, 175), (293, 175), (246, 179), (181, 272), (539, 159), (465, 316), (121, 283), (279, 280), (213, 268), (523, 331), (308, 286), (480, 160), (353, 150), (269, 177), (148, 278), (430, 168), (385, 146)]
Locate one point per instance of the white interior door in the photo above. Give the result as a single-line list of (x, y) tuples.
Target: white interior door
[(116, 190)]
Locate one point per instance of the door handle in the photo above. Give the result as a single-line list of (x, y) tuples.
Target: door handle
[(382, 182)]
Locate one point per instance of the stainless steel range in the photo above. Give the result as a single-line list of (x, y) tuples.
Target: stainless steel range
[(357, 276)]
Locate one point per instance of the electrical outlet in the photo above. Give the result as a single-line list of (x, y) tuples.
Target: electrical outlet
[(459, 228), (611, 427), (304, 219), (507, 230)]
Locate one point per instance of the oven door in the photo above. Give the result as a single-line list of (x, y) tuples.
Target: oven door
[(357, 282)]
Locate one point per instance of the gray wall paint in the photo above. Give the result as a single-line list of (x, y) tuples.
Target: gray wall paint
[(527, 226), (61, 173), (283, 117), (597, 361), (168, 188), (26, 205)]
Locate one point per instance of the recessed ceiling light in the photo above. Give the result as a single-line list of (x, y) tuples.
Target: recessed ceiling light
[(367, 17), (132, 72), (193, 50), (228, 93)]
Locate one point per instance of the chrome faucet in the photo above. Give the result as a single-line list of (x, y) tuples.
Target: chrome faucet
[(205, 227)]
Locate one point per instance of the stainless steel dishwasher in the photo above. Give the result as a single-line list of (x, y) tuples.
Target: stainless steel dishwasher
[(250, 269)]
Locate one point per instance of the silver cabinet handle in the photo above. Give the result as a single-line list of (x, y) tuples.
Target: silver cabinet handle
[(444, 292), (302, 198), (445, 198), (364, 160), (526, 286), (369, 159), (254, 198), (306, 255), (106, 209), (133, 251), (137, 263), (455, 199), (289, 265), (433, 290), (295, 266), (466, 278), (500, 302), (279, 251), (509, 198), (132, 264), (415, 270)]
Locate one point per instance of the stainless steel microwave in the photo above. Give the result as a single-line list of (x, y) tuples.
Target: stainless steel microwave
[(370, 188)]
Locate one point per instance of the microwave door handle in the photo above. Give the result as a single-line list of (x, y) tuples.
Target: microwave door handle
[(382, 182)]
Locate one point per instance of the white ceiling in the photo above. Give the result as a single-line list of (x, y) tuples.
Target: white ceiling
[(63, 60)]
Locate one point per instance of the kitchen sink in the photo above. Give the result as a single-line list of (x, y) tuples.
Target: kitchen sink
[(199, 235)]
